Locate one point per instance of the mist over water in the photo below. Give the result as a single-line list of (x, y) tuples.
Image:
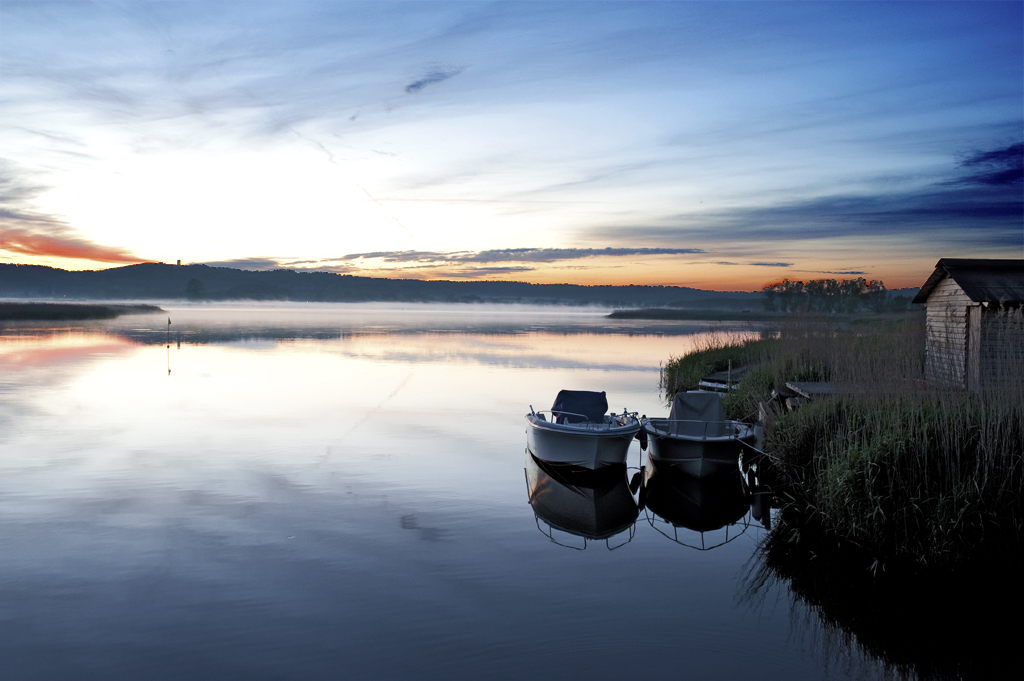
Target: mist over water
[(339, 492)]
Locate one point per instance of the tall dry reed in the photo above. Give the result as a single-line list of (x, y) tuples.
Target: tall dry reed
[(897, 470), (903, 472)]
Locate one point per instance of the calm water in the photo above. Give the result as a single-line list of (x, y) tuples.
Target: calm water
[(339, 492)]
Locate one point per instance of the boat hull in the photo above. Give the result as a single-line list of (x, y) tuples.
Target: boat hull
[(592, 507), (588, 449), (698, 504), (696, 456)]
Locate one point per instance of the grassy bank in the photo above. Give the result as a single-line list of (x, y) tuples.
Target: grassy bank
[(713, 354), (902, 477), (68, 311)]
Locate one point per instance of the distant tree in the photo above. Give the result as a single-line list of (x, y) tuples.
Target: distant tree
[(826, 296), (876, 296), (791, 295), (195, 290), (770, 291), (899, 303), (850, 293)]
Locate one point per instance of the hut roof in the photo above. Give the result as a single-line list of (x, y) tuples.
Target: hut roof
[(984, 281)]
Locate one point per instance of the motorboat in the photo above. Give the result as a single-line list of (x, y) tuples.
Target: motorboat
[(578, 432), (696, 438), (593, 505)]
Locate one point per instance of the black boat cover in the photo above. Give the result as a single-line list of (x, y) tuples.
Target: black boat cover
[(579, 406)]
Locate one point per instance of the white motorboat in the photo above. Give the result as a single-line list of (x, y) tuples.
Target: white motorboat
[(577, 431), (696, 438)]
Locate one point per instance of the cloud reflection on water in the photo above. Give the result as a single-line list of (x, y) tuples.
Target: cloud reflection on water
[(303, 506)]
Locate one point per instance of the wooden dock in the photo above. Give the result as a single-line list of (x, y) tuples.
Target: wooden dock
[(724, 381)]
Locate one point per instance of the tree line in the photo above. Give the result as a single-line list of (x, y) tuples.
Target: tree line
[(831, 295)]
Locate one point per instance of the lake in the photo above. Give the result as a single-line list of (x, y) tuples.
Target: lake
[(340, 491)]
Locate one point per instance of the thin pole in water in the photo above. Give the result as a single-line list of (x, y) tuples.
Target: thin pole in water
[(168, 346)]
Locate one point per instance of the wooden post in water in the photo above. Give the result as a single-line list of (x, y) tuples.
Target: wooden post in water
[(168, 346)]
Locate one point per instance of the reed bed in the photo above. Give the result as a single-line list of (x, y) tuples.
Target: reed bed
[(712, 353), (931, 479), (900, 474)]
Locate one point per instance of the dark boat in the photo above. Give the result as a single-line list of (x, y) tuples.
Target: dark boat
[(696, 438)]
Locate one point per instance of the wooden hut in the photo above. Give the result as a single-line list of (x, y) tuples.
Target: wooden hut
[(974, 332)]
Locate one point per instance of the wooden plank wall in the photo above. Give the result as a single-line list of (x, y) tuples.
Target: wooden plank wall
[(1001, 361), (946, 335)]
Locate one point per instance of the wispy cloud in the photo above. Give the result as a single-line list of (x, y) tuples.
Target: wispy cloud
[(1000, 167), (839, 272), (516, 254), (978, 208), (456, 264), (436, 76), (248, 263), (476, 272), (25, 231)]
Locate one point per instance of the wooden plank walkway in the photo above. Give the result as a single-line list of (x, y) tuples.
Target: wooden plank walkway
[(720, 380), (813, 389)]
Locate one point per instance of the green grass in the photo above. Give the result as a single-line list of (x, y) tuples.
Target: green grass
[(901, 476), (930, 479), (713, 354)]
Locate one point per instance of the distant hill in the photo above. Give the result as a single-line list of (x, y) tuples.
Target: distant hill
[(156, 281)]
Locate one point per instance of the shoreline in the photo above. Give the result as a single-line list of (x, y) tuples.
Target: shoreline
[(17, 312)]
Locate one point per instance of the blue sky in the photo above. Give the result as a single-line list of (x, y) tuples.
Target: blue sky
[(711, 144)]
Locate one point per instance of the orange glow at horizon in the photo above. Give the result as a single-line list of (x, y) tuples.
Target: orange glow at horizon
[(598, 272), (24, 242)]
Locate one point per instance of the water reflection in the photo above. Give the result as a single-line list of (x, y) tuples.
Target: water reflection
[(594, 505), (700, 513), (902, 624), (685, 509), (325, 493)]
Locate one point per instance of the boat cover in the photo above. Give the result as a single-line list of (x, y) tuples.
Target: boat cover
[(691, 411), (583, 405)]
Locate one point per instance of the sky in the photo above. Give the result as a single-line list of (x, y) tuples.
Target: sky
[(722, 145)]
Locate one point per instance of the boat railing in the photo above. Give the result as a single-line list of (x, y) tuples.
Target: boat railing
[(587, 423), (743, 524), (550, 534), (731, 428)]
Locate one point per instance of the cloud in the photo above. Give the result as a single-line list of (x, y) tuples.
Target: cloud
[(999, 167), (398, 256), (771, 264), (832, 271), (456, 264), (436, 76), (248, 263), (515, 254), (25, 231), (983, 208), (473, 272)]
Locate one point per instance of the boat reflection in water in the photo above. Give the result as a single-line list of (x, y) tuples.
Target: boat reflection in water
[(594, 505), (675, 501)]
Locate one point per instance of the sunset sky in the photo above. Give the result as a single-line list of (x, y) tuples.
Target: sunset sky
[(713, 144)]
